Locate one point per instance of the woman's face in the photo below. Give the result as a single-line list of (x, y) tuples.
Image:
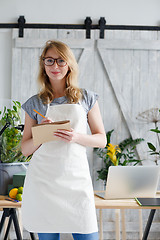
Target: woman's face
[(55, 72)]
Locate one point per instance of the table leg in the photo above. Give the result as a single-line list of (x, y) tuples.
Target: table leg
[(32, 236), (149, 222), (5, 227), (11, 214), (8, 228), (123, 224), (4, 215), (16, 224), (140, 224), (117, 223), (20, 220), (101, 224)]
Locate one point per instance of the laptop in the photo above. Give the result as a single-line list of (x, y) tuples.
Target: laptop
[(131, 181)]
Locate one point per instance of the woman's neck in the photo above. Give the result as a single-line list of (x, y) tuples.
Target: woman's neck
[(59, 89)]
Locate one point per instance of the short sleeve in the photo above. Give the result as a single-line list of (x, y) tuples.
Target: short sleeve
[(34, 103), (89, 99)]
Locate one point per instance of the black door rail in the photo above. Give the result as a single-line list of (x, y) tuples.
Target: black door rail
[(88, 26)]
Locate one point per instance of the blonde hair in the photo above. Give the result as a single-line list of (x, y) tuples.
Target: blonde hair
[(72, 91)]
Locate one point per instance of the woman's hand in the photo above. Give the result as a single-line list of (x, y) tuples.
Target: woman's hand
[(96, 139), (67, 136), (46, 120)]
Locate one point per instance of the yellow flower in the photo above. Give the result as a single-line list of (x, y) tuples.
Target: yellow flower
[(112, 152), (111, 148)]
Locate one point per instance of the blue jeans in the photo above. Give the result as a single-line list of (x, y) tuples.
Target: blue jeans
[(76, 236)]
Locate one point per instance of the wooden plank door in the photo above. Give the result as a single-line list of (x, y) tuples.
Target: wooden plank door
[(125, 74), (132, 68)]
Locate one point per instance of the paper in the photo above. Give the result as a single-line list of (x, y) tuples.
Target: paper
[(44, 132)]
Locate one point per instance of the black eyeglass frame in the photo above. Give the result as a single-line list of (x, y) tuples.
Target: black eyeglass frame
[(54, 60)]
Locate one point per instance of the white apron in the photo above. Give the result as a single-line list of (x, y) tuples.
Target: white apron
[(58, 194)]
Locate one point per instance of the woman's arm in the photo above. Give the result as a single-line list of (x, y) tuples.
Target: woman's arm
[(97, 128), (27, 145), (98, 137)]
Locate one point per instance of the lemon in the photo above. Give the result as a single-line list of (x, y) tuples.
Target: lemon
[(13, 192), (20, 190), (19, 197)]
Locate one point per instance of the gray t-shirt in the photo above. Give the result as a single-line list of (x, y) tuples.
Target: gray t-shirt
[(88, 100)]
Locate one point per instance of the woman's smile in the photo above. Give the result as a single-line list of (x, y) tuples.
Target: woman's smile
[(55, 72)]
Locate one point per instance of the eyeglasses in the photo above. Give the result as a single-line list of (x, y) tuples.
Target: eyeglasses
[(50, 61)]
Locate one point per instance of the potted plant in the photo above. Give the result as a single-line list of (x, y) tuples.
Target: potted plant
[(114, 155), (11, 158)]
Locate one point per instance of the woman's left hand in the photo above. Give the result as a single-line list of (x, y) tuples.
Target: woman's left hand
[(67, 136)]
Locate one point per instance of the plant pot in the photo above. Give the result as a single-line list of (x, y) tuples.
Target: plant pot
[(7, 170)]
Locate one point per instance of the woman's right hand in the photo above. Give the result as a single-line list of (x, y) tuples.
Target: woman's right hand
[(46, 120)]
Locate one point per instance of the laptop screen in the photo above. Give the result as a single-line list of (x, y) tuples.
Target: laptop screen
[(132, 181)]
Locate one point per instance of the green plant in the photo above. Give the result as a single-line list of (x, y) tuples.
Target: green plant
[(113, 155), (10, 149), (152, 116), (154, 150)]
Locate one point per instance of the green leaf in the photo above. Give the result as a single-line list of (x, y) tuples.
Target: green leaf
[(15, 108), (4, 110), (130, 142), (18, 103), (155, 130), (108, 135), (155, 153), (151, 146)]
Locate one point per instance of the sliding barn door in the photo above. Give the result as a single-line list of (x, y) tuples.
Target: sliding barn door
[(133, 69), (124, 69)]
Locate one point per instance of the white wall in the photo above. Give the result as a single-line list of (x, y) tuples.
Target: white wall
[(117, 12), (134, 12)]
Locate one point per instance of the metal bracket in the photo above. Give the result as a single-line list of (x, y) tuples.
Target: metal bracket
[(21, 23), (88, 23), (102, 23)]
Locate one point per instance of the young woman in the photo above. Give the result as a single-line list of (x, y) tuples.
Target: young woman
[(58, 194)]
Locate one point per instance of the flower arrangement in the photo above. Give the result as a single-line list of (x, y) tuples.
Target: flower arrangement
[(113, 155)]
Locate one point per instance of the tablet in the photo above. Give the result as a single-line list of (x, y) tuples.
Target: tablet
[(148, 202)]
